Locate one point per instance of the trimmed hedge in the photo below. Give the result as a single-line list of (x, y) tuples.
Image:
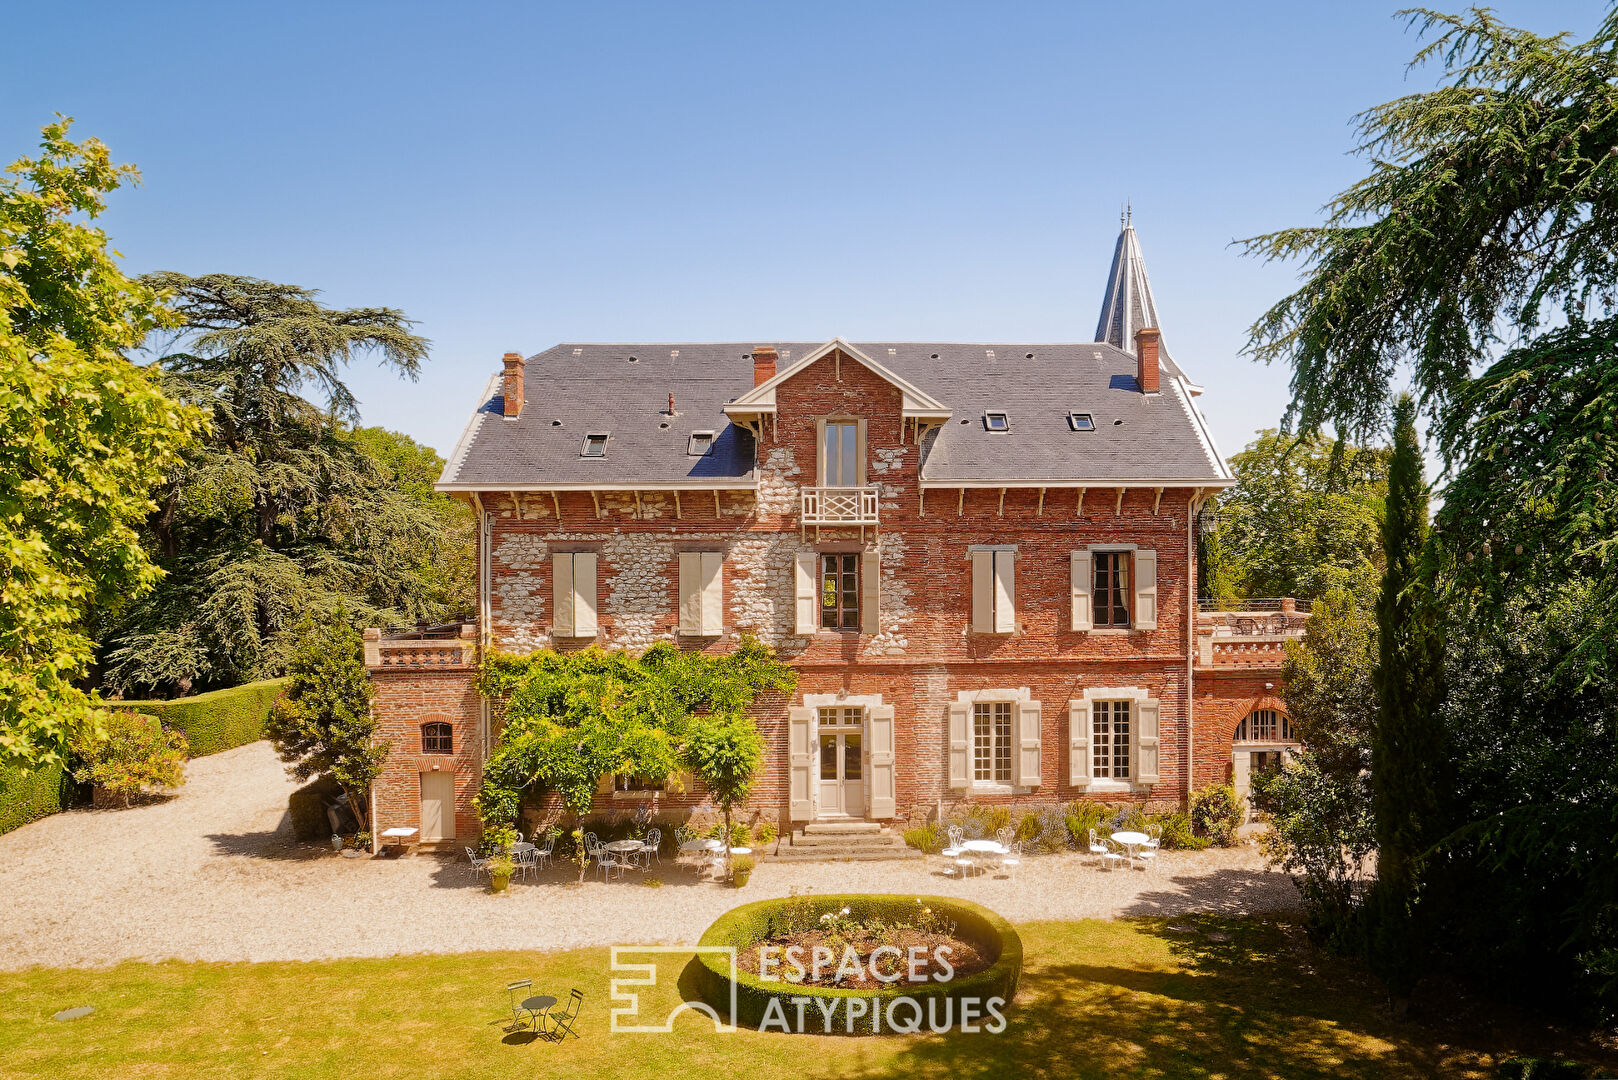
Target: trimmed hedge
[(28, 798), (218, 720), (745, 926)]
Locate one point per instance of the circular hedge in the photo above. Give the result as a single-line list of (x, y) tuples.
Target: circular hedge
[(749, 924)]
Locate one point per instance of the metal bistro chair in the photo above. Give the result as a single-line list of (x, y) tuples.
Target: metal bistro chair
[(1103, 849), (649, 849), (520, 1017), (526, 861), (544, 853), (479, 866), (562, 1023), (1011, 861), (593, 849), (1005, 836)]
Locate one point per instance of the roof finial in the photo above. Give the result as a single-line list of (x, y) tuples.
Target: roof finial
[(1129, 213)]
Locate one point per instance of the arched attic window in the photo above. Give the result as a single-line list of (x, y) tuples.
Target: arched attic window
[(1264, 725)]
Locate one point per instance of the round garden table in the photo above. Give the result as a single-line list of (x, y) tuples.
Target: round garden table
[(537, 1006), (1133, 841)]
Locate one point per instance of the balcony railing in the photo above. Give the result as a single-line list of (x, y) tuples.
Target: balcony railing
[(422, 649), (838, 507)]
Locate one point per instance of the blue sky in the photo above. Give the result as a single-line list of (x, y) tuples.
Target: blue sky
[(514, 175)]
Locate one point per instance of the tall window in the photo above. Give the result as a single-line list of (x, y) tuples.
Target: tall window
[(840, 592), (1109, 740), (437, 738), (1264, 725), (991, 741), (1112, 589), (839, 455)]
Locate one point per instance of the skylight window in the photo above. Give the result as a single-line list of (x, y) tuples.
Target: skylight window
[(1081, 421), (595, 445), (700, 444), (996, 421)]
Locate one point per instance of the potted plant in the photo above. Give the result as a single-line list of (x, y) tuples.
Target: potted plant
[(741, 868), (501, 867)]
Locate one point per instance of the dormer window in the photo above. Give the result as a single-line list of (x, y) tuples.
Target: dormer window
[(996, 421), (1081, 421), (700, 444), (595, 445)]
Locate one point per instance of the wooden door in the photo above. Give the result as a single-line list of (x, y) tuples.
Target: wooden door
[(437, 806)]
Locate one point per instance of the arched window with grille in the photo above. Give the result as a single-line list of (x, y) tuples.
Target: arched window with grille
[(1264, 725), (437, 738)]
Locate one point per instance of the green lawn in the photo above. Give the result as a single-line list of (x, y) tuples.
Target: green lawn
[(1099, 999)]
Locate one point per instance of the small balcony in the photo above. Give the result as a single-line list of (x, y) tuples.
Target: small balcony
[(838, 507), (452, 646), (1248, 633)]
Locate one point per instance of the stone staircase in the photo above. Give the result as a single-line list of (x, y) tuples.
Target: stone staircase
[(843, 841)]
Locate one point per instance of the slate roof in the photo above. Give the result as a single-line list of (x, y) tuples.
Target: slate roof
[(572, 390)]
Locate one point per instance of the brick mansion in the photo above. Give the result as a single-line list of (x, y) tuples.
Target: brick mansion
[(980, 559)]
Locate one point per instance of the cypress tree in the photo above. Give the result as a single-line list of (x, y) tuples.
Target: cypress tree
[(1406, 750)]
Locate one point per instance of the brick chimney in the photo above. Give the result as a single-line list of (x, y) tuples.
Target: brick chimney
[(512, 386), (1146, 342), (764, 358)]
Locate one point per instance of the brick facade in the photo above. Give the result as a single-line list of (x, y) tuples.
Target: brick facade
[(924, 652)]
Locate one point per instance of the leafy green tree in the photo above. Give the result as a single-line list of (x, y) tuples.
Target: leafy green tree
[(1408, 759), (1489, 205), (1319, 807), (84, 435), (725, 752), (573, 719), (1301, 519), (132, 754), (322, 725), (285, 509)]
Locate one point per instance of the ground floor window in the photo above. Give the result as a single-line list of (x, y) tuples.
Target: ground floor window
[(991, 742), (1264, 725), (636, 783), (1109, 740)]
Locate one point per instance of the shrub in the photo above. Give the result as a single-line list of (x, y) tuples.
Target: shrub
[(741, 866), (1045, 830), (218, 720), (1178, 834), (131, 755), (766, 833), (1082, 816), (990, 819), (928, 839), (1217, 812), (26, 797)]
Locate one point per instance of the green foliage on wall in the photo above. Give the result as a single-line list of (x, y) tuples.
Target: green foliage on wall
[(218, 720)]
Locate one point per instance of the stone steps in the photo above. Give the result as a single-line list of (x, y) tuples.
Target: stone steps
[(852, 841)]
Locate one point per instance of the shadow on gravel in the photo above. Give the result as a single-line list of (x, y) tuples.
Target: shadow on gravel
[(1223, 892), (267, 844)]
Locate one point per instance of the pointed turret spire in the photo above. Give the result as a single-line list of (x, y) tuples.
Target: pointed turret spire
[(1128, 305)]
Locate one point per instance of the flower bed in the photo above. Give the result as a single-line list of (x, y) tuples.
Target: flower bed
[(867, 980)]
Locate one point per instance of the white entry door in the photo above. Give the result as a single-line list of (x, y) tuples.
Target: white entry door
[(437, 806), (842, 763)]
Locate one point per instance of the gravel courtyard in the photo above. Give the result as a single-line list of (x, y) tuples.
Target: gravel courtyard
[(212, 874)]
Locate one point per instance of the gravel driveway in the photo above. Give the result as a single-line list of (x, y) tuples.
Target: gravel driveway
[(212, 874)]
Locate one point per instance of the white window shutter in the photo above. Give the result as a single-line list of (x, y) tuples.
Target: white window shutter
[(1083, 582), (1078, 742), (801, 763), (1145, 590), (960, 745), (562, 594), (884, 796), (1146, 741), (711, 566), (983, 592), (690, 592), (806, 595), (870, 592), (1030, 716), (584, 594), (1005, 592)]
